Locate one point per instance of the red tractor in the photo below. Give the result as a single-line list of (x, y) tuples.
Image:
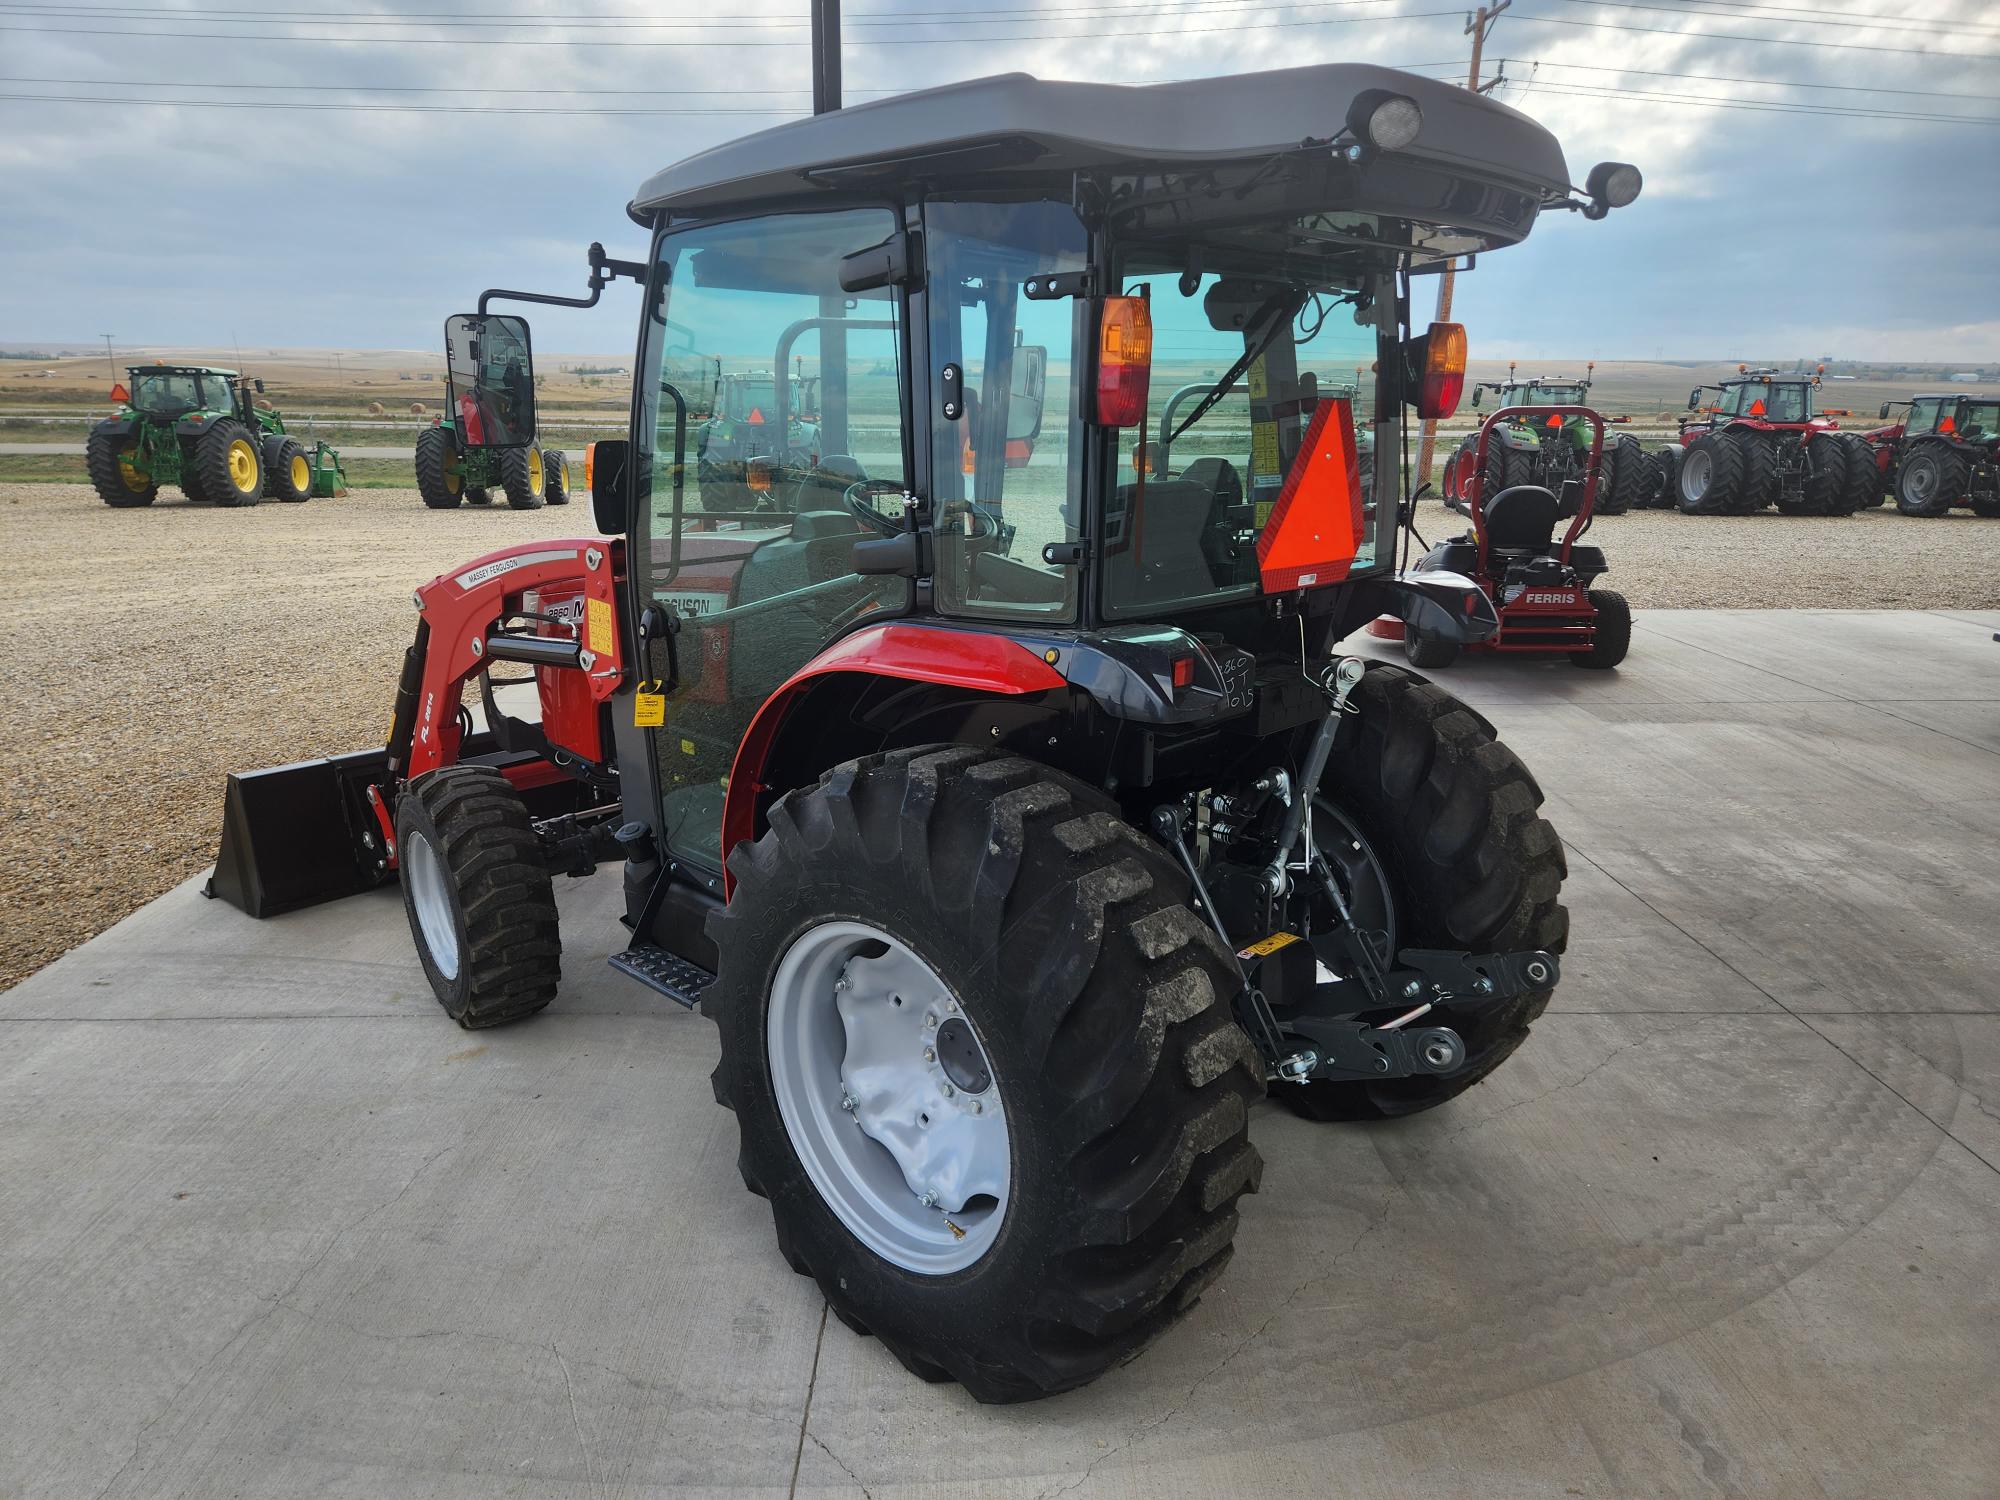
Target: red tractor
[(1539, 588), (1945, 452), (1763, 441), (1007, 803)]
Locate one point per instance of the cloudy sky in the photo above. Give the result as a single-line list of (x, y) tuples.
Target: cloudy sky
[(342, 173)]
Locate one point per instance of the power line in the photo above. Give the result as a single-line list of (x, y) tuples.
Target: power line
[(1762, 106), (1775, 83), (423, 109), (1775, 41), (1861, 20)]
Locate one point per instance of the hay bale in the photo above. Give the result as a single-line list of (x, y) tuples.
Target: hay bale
[(377, 409), (417, 409)]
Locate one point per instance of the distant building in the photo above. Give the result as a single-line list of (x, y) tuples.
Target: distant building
[(1970, 377)]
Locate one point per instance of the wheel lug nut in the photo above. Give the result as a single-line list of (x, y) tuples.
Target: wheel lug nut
[(929, 1200), (949, 1091), (975, 1106), (847, 1101), (930, 1054)]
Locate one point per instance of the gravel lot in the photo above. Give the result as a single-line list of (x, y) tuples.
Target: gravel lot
[(183, 642)]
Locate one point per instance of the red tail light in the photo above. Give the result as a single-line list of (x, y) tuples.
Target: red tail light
[(1442, 378), (1183, 672), (1124, 361)]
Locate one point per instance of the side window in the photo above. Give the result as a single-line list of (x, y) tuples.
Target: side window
[(1923, 418), (777, 444), (1005, 470)]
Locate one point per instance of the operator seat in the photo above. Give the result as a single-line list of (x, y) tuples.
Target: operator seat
[(1521, 518)]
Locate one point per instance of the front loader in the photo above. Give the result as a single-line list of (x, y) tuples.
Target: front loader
[(1008, 801)]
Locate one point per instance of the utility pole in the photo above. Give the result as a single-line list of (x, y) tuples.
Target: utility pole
[(1476, 27), (826, 55), (110, 362)]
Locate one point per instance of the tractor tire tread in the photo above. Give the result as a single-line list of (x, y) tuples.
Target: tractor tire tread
[(1140, 1077), (517, 482), (100, 460), (211, 457), (434, 445)]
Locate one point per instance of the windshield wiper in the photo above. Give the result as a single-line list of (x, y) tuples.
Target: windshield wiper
[(1281, 310)]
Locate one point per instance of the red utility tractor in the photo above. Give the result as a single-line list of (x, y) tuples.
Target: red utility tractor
[(1539, 588), (1945, 452), (1007, 802), (1763, 441)]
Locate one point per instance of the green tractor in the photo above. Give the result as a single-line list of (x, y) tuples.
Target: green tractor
[(1553, 451), (472, 449), (204, 431)]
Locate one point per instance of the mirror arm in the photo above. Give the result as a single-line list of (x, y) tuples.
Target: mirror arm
[(603, 271)]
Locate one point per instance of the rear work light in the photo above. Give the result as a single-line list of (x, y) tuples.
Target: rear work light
[(1124, 361), (1440, 370), (757, 475)]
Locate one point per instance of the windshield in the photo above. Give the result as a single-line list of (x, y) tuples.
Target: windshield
[(171, 392), (1243, 367), (1551, 395), (1775, 401)]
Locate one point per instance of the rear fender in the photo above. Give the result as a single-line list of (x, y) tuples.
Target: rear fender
[(973, 661), (1449, 606), (115, 426)]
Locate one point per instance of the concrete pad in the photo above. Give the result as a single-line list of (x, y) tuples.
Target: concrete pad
[(1729, 1224)]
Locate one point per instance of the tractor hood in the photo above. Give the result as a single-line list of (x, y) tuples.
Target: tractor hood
[(1012, 129)]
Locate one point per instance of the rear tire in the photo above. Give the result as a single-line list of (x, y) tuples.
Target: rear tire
[(440, 477), (555, 476), (1622, 483), (1506, 467), (523, 477), (1101, 1002), (1865, 489), (1428, 651), (1930, 480), (482, 908), (1667, 478), (291, 473), (1709, 479), (230, 465), (1614, 631), (1760, 473), (1829, 476), (108, 457), (1451, 814)]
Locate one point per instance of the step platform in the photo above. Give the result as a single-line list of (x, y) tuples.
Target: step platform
[(670, 974)]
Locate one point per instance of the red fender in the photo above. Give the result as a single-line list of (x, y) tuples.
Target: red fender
[(913, 653), (460, 607)]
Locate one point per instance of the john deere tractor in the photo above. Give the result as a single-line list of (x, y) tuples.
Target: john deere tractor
[(1550, 451), (469, 452), (202, 430)]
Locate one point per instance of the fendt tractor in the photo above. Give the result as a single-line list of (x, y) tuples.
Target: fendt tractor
[(1018, 820), (1550, 449), (204, 431), (470, 449), (1763, 440), (1944, 452)]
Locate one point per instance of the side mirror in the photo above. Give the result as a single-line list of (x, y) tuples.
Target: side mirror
[(1694, 398), (260, 387), (604, 464), (1478, 393), (1028, 386), (490, 379), (1883, 414)]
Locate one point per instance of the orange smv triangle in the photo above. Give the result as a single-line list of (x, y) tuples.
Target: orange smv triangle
[(119, 393), (756, 417), (1948, 424), (1316, 527), (1756, 408)]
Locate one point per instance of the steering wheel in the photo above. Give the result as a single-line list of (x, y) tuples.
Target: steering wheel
[(987, 524), (855, 498)]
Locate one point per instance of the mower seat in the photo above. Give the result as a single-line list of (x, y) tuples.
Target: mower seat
[(1521, 518)]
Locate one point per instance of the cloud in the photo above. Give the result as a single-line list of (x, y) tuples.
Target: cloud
[(1758, 230)]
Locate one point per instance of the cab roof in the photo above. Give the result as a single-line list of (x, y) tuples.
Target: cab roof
[(178, 370), (1015, 124)]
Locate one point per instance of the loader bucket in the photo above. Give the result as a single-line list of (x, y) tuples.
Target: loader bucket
[(294, 836), (328, 477)]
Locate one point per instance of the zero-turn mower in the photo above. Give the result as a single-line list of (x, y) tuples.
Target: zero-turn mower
[(1008, 803), (205, 431), (1539, 587)]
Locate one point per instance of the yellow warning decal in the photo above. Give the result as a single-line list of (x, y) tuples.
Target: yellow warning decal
[(1269, 945), (649, 710), (597, 626), (687, 747)]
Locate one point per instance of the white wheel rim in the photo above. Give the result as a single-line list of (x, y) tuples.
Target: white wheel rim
[(889, 1098), (430, 898), (1694, 475)]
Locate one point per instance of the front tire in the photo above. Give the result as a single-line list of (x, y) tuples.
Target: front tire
[(291, 478), (555, 471), (477, 892), (1427, 651), (523, 477), (1865, 489), (1450, 813), (1098, 1004), (440, 471), (1930, 480)]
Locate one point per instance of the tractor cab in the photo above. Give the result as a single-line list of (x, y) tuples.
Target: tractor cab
[(171, 391), (1787, 399), (986, 765), (1944, 452)]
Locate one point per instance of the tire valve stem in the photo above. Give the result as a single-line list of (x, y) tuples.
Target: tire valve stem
[(847, 1101), (929, 1200)]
